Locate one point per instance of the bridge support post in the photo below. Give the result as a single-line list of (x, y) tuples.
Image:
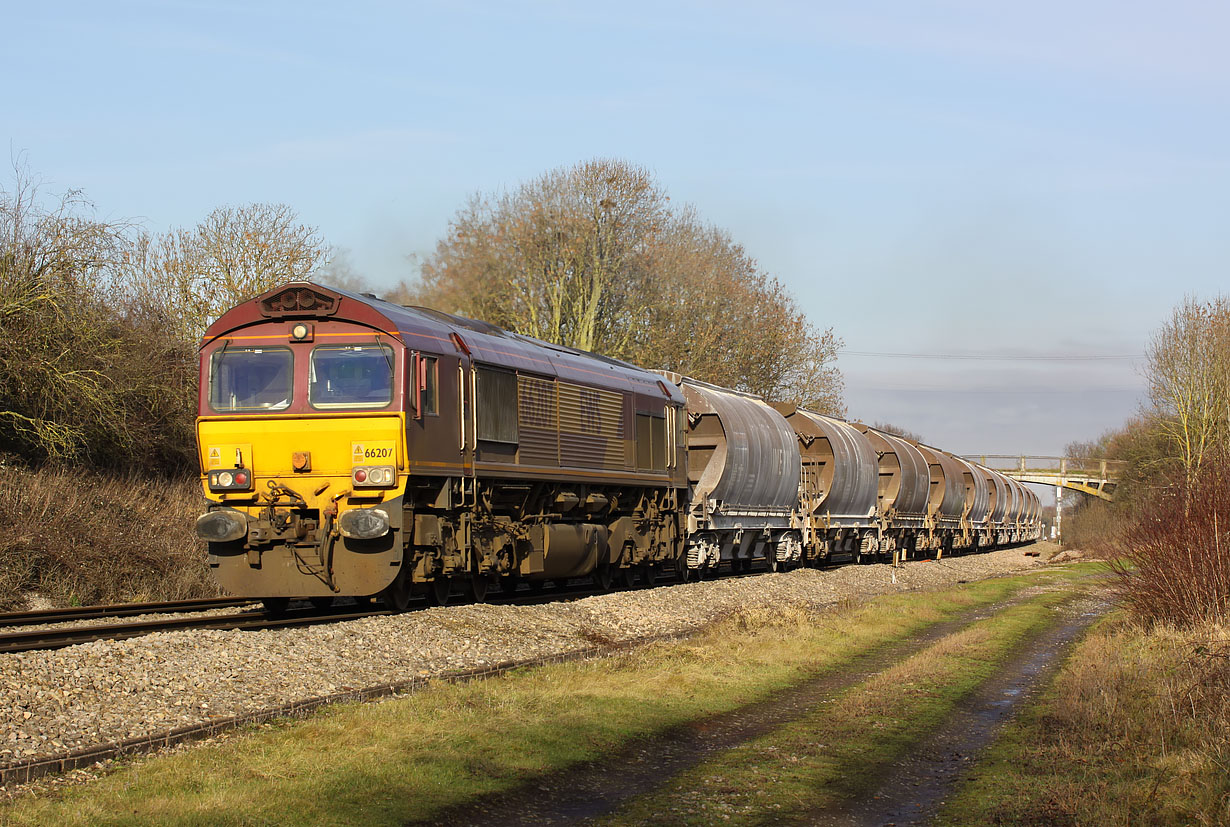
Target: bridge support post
[(1058, 513)]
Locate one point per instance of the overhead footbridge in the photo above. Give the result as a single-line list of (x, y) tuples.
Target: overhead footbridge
[(1092, 476)]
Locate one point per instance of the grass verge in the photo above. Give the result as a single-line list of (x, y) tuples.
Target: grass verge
[(411, 757), (1135, 729), (834, 754)]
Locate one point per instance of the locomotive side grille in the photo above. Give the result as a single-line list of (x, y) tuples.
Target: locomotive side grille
[(537, 415), (591, 424)]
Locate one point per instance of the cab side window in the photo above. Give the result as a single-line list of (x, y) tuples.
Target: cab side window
[(429, 384)]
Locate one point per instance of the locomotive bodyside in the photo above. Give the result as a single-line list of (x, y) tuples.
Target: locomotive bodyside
[(391, 449)]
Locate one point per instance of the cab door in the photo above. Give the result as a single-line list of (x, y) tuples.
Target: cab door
[(438, 403)]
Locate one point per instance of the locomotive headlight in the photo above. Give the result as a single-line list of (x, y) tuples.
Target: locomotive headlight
[(226, 479), (364, 523), (222, 525)]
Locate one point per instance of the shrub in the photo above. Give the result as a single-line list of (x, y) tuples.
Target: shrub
[(1094, 525), (1176, 565)]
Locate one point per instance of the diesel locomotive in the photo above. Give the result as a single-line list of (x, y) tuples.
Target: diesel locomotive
[(350, 446)]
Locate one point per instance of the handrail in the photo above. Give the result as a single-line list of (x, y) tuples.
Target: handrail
[(1051, 465)]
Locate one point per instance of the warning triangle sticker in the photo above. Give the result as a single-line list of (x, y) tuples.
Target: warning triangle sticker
[(358, 452)]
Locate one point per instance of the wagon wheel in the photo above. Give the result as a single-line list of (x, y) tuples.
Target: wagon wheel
[(681, 569), (508, 583), (649, 573), (396, 595), (362, 600), (770, 559)]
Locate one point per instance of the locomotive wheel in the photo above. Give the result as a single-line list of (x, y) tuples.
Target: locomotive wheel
[(604, 578), (479, 583), (627, 577), (321, 603), (276, 606), (682, 571), (396, 597), (770, 560), (439, 590), (508, 584)]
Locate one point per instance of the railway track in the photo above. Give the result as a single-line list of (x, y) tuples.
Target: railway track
[(62, 636), (65, 615)]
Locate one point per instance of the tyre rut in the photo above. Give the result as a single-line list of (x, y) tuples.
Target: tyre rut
[(914, 787), (646, 765)]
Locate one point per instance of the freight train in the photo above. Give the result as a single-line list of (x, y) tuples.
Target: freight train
[(354, 447)]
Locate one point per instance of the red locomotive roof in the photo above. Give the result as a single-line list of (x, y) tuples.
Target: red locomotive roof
[(433, 331)]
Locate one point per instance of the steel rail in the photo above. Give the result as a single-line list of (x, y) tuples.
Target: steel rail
[(71, 613), (59, 638)]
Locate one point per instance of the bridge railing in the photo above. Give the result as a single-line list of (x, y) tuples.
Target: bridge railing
[(1105, 469)]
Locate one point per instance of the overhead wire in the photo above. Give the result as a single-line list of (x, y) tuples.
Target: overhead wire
[(1013, 357)]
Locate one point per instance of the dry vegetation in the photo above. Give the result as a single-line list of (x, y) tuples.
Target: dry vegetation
[(76, 537), (1135, 730), (1175, 563)]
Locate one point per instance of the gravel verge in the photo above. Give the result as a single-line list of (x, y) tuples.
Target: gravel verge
[(106, 691)]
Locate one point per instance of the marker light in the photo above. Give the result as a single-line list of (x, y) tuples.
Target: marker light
[(232, 479), (374, 476)]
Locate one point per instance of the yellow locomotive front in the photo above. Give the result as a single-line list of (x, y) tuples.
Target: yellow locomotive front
[(302, 441)]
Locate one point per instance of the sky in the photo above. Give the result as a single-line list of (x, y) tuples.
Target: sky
[(979, 198)]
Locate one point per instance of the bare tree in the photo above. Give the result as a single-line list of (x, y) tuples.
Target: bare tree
[(234, 254), (339, 271), (1188, 371), (897, 430), (561, 259), (595, 257)]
